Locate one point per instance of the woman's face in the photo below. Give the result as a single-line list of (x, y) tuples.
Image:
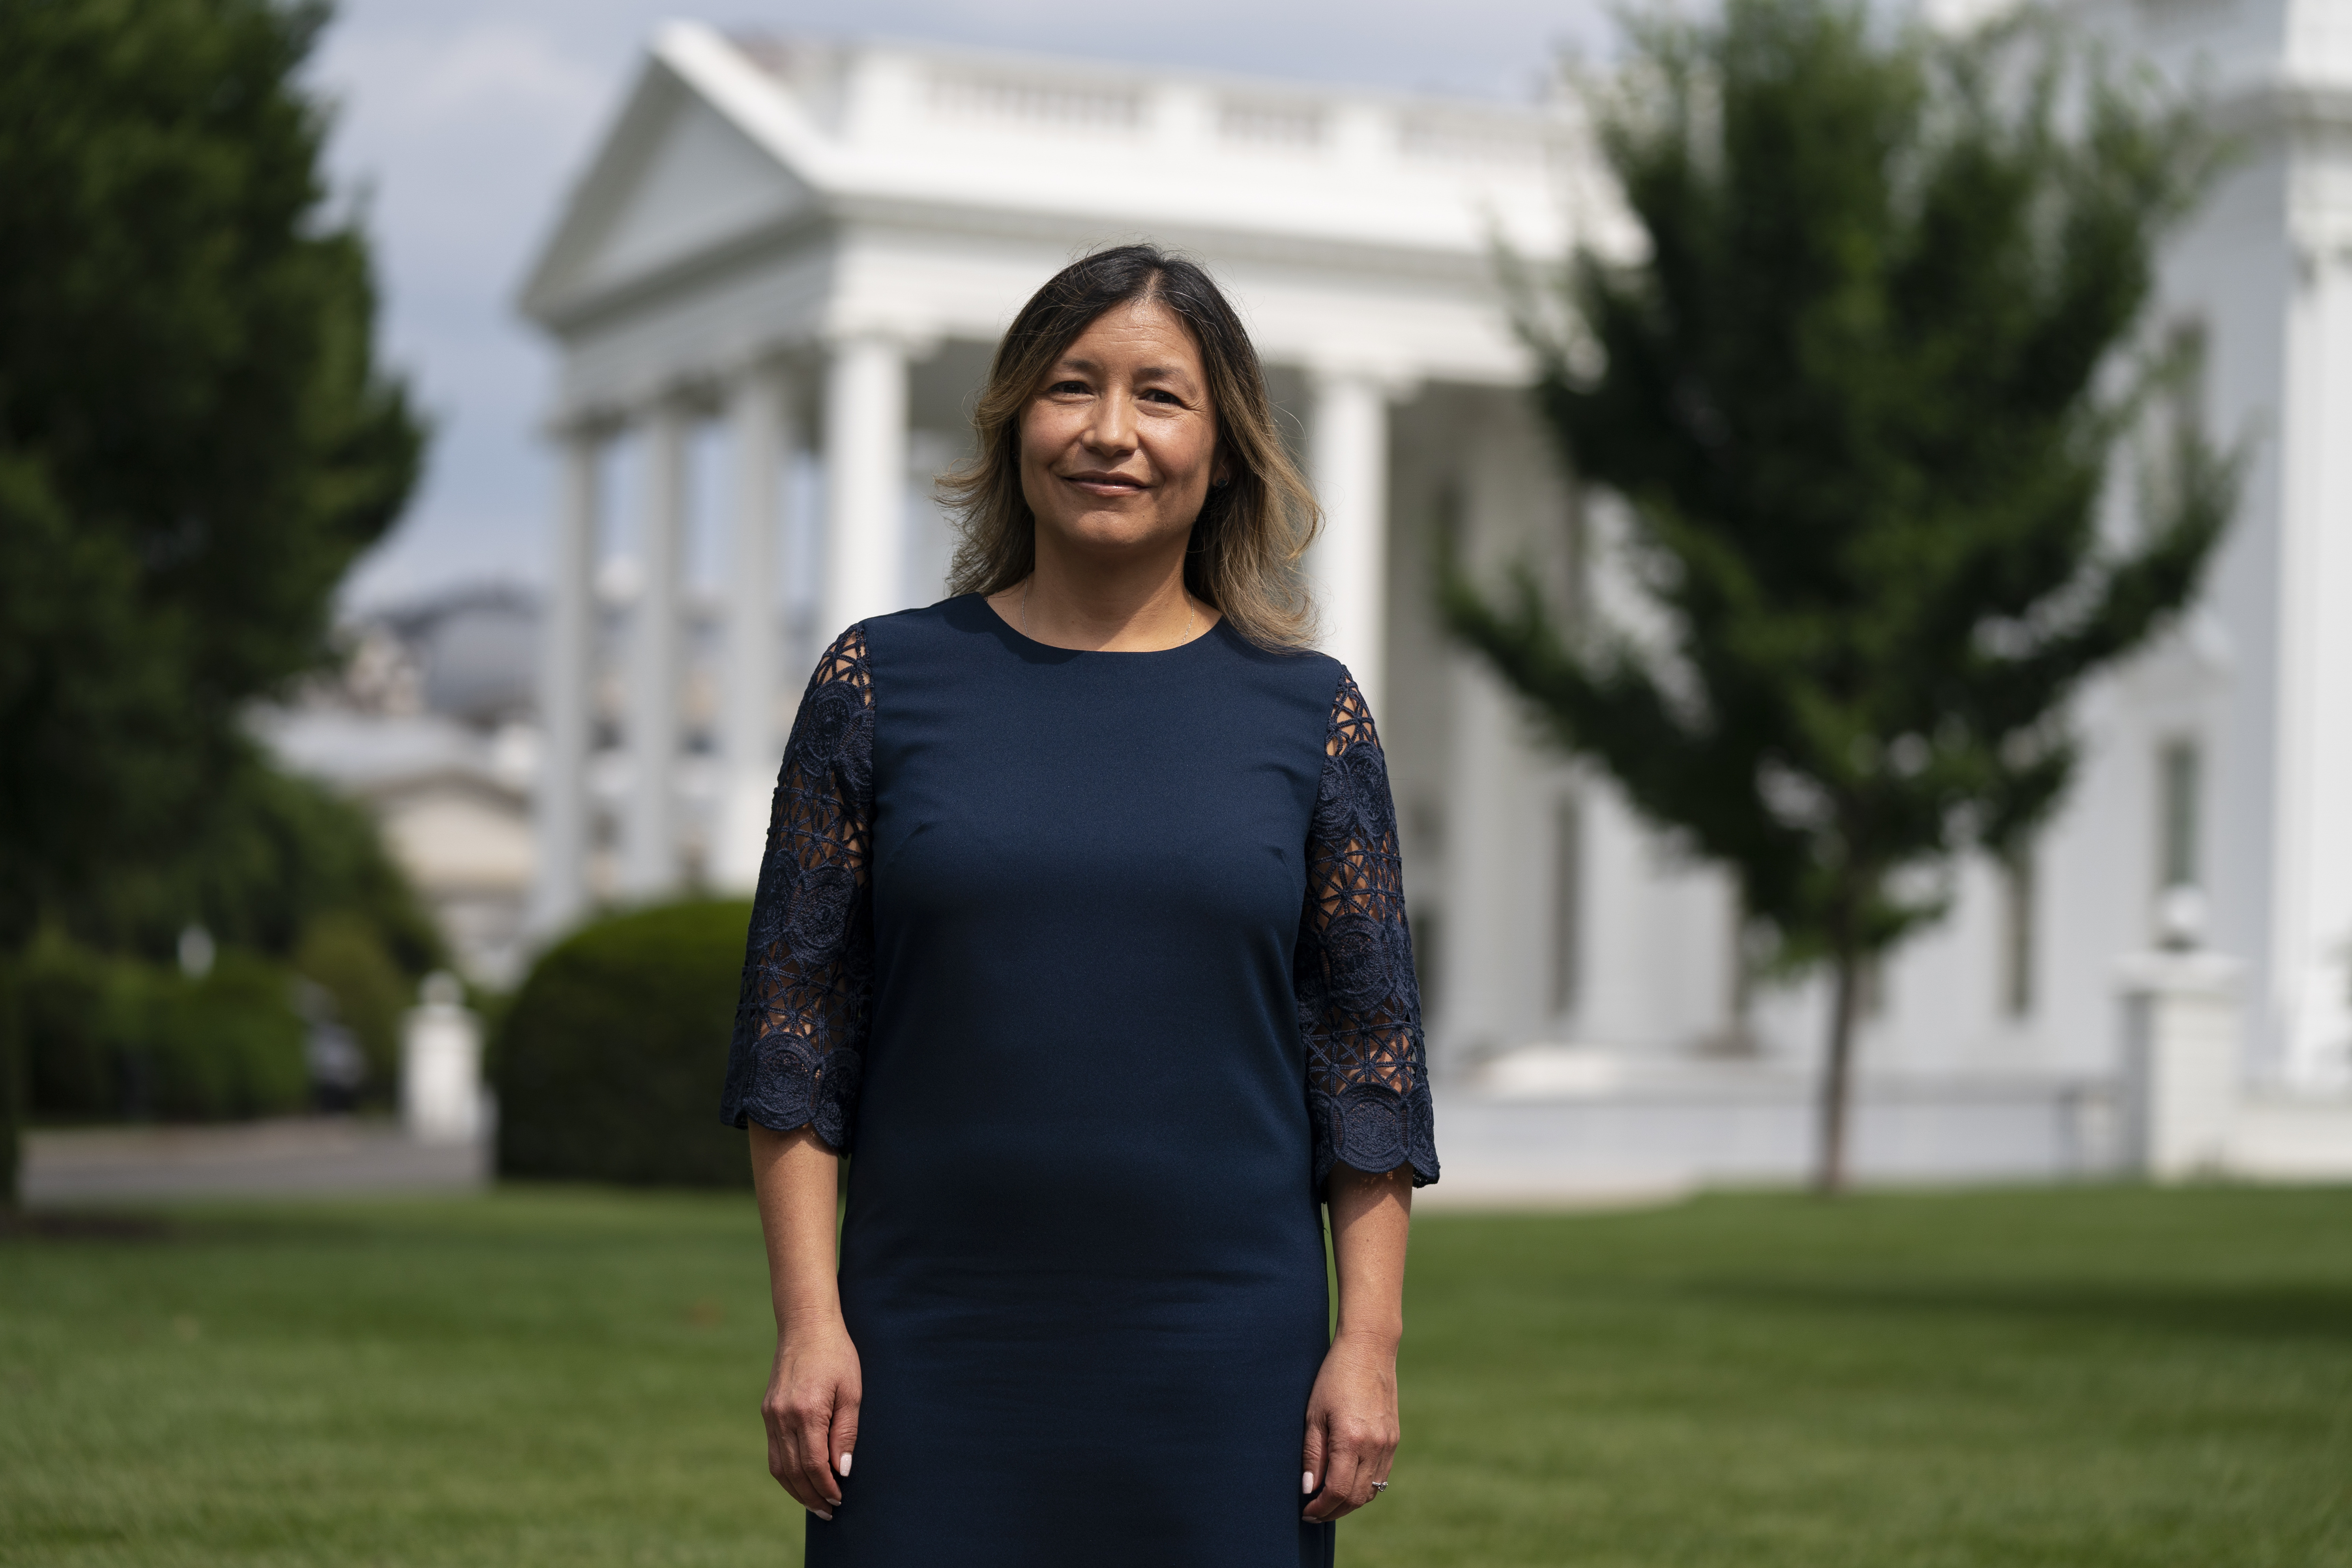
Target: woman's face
[(1118, 446)]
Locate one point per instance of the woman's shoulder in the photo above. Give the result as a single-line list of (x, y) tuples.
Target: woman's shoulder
[(1310, 689), (930, 628), (1307, 674)]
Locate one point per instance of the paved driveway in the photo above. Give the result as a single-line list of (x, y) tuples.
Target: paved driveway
[(320, 1156)]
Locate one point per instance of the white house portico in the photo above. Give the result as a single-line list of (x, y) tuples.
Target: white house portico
[(776, 289)]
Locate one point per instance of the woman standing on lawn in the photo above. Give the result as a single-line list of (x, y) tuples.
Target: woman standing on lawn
[(1081, 924)]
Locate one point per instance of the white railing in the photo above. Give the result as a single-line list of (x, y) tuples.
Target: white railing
[(1451, 137), (1031, 103), (1260, 123)]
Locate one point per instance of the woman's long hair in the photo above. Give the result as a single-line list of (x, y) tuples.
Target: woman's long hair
[(1248, 546)]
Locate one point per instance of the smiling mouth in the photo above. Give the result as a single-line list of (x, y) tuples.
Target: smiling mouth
[(1106, 484)]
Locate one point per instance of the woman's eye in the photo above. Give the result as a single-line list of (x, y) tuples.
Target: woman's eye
[(1161, 394), (1060, 387)]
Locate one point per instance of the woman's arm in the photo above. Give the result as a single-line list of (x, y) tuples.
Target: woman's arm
[(811, 1408), (1351, 1417)]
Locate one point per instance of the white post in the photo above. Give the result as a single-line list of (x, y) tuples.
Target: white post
[(649, 839), (441, 1099), (1348, 446), (567, 676), (2183, 1035), (864, 480), (760, 412)]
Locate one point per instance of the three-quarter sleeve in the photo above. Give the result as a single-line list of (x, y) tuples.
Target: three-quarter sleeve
[(801, 1015), (1358, 1002)]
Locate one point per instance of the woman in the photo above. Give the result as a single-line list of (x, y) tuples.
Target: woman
[(1081, 925)]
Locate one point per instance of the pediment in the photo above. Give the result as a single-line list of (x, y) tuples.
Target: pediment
[(676, 178)]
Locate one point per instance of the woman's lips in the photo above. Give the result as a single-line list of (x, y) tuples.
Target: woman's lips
[(1105, 484)]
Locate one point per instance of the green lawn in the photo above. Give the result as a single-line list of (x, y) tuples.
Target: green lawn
[(2075, 1377)]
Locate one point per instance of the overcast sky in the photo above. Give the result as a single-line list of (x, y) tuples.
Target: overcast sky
[(462, 122)]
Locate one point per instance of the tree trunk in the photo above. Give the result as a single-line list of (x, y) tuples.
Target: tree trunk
[(14, 1075), (1837, 1077)]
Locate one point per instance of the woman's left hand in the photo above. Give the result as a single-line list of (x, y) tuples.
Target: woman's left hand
[(1352, 1425)]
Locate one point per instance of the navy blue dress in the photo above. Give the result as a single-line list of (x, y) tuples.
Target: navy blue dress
[(1096, 963)]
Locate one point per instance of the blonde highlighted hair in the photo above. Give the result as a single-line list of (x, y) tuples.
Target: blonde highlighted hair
[(1248, 548)]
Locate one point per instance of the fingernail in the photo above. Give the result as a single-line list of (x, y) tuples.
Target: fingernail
[(844, 1464), (1307, 1481), (822, 1514)]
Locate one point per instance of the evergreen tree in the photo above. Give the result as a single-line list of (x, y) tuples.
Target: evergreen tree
[(195, 440), (1863, 394)]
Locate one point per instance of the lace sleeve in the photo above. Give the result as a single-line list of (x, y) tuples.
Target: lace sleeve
[(1359, 1004), (808, 965)]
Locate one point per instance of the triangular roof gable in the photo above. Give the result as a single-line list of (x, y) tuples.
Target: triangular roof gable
[(679, 175)]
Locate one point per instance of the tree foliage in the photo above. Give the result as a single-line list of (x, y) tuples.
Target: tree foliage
[(1864, 392), (117, 1037), (195, 441), (267, 859)]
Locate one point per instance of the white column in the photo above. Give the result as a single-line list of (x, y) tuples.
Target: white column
[(2310, 959), (759, 410), (567, 676), (1348, 450), (1489, 963), (649, 847), (864, 480)]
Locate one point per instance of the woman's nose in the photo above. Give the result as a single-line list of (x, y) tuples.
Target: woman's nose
[(1113, 428)]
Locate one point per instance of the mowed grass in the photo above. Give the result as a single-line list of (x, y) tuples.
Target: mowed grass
[(2077, 1377)]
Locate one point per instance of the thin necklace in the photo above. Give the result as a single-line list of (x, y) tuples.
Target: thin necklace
[(1191, 616)]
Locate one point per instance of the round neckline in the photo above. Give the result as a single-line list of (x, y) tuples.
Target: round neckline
[(1010, 630)]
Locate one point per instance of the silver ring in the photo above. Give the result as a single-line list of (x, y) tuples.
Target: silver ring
[(1378, 1486)]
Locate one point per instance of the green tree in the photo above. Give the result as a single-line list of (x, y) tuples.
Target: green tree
[(267, 859), (1864, 392), (195, 440)]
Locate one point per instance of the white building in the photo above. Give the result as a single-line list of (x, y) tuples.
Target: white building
[(430, 725), (813, 248)]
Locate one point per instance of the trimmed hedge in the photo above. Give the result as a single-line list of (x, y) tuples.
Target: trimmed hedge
[(108, 1037), (610, 1059)]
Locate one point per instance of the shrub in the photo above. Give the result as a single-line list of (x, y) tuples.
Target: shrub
[(229, 1045), (612, 1054), (345, 954), (109, 1036), (63, 997)]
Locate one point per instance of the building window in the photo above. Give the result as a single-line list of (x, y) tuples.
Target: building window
[(1566, 905), (2017, 879), (2178, 786)]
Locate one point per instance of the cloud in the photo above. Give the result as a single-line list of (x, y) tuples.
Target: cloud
[(464, 137)]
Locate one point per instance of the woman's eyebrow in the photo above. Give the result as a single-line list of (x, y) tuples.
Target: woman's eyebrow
[(1174, 377), (1146, 372)]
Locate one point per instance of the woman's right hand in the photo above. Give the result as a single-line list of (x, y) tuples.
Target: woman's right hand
[(812, 1409)]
